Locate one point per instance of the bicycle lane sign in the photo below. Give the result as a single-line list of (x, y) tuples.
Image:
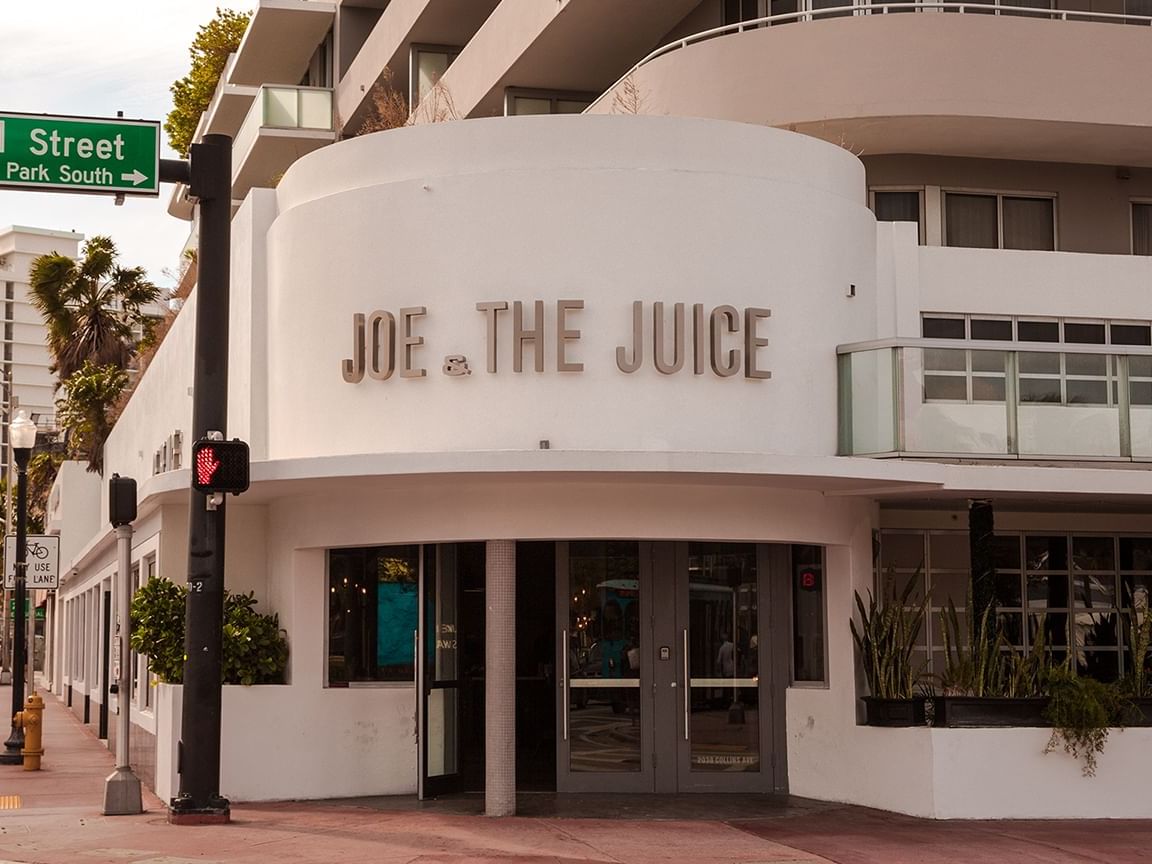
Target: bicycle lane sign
[(43, 557)]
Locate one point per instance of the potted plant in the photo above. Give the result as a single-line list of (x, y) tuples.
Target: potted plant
[(1137, 681), (886, 639), (987, 682)]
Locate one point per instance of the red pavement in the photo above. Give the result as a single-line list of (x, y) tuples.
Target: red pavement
[(59, 820)]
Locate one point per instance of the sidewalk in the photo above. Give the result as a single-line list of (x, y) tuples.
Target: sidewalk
[(58, 820)]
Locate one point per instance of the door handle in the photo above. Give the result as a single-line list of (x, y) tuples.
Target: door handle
[(687, 685), (564, 679)]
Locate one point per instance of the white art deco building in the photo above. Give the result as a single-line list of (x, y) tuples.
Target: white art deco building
[(574, 436)]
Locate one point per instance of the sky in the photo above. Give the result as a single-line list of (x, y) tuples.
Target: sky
[(94, 58)]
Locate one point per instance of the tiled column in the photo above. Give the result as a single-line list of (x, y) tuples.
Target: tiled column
[(500, 679)]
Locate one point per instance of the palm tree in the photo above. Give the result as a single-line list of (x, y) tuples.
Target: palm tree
[(90, 306)]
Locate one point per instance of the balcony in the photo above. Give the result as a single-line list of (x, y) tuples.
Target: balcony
[(283, 124), (280, 40), (997, 400), (921, 82), (572, 46)]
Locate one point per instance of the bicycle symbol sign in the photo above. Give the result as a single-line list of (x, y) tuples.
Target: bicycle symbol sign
[(43, 560)]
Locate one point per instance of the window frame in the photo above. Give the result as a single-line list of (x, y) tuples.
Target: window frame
[(1111, 375), (415, 49), (999, 195), (1024, 612), (554, 96), (1133, 203), (325, 600), (922, 222)]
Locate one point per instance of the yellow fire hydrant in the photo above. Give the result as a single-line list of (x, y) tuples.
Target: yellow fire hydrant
[(31, 720)]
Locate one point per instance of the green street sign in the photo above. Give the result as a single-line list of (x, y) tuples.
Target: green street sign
[(27, 609), (79, 154)]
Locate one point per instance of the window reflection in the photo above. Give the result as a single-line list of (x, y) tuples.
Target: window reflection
[(604, 656)]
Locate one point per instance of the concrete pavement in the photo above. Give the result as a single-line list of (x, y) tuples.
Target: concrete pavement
[(57, 819)]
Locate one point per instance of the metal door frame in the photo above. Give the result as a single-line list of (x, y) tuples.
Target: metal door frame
[(772, 565), (579, 781), (432, 787)]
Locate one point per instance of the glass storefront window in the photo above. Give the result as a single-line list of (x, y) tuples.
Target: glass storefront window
[(372, 613), (808, 614)]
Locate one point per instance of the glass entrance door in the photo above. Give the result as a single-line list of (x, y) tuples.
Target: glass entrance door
[(721, 731), (661, 647), (605, 711)]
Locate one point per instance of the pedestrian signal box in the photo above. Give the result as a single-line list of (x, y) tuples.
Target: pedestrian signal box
[(220, 466)]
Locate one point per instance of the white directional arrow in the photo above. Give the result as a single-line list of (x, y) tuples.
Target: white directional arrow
[(135, 178)]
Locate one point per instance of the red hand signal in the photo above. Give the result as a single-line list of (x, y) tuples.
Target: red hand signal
[(206, 465)]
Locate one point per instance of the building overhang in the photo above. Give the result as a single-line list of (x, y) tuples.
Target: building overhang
[(280, 40)]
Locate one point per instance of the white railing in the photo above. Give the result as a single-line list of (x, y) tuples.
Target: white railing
[(951, 398), (990, 7)]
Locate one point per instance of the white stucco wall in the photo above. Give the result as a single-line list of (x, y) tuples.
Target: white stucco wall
[(276, 746), (607, 210)]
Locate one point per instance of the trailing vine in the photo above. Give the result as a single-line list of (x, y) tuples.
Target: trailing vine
[(1081, 710)]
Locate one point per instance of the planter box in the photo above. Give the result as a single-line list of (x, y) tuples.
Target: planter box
[(1142, 715), (969, 712), (893, 712)]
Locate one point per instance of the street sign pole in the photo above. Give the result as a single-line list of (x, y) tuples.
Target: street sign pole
[(199, 800)]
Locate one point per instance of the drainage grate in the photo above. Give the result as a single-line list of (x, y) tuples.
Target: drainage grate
[(10, 802)]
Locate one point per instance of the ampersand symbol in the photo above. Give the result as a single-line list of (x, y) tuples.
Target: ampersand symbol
[(456, 365)]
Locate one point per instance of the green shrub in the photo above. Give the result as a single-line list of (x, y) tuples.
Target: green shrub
[(255, 648), (158, 627)]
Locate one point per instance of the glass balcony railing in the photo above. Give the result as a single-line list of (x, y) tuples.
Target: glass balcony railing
[(276, 107), (923, 397)]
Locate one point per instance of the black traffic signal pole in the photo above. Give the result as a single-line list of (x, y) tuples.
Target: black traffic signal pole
[(199, 801)]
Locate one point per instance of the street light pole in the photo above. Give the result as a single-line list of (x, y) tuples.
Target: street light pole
[(22, 434)]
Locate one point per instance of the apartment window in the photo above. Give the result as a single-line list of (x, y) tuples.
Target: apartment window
[(519, 103), (1056, 377), (736, 11), (808, 662), (427, 65), (996, 221), (899, 205), (1142, 221), (964, 375), (372, 614)]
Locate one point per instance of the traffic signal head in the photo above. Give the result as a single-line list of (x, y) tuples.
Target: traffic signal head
[(220, 466), (121, 500)]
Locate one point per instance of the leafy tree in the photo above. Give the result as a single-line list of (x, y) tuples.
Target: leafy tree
[(90, 306), (84, 410), (191, 94), (42, 470)]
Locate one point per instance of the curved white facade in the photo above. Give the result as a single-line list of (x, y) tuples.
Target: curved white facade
[(599, 212)]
